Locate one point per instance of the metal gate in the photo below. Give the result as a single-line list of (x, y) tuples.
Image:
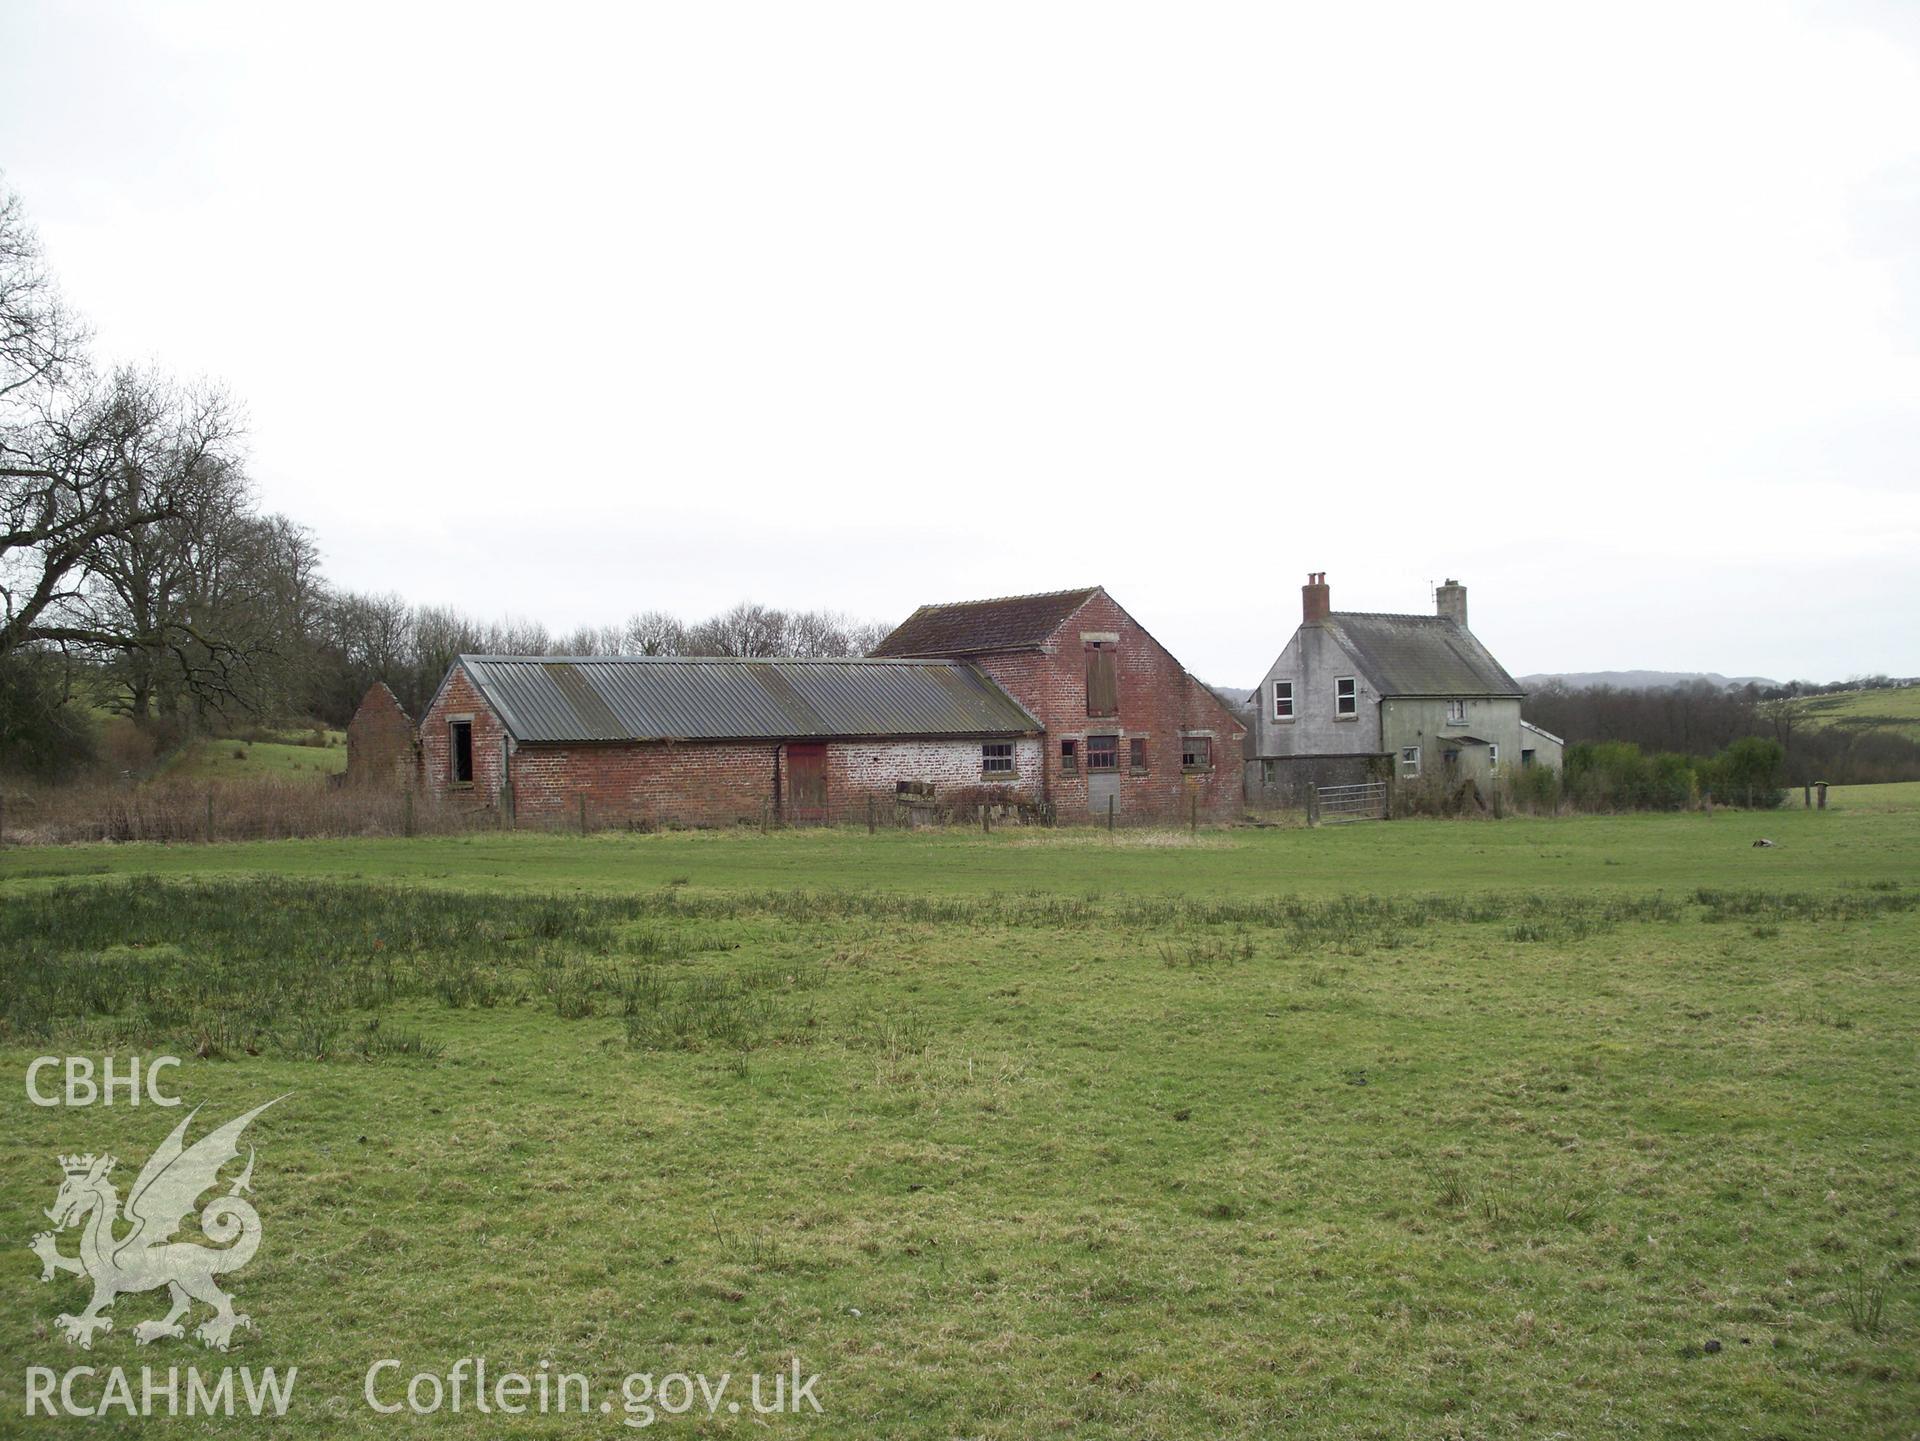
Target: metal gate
[(1367, 802)]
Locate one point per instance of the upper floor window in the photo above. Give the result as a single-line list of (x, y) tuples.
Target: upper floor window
[(1283, 700), (1069, 756), (1196, 753), (1137, 754), (1103, 681), (1456, 712), (1103, 753), (1346, 699)]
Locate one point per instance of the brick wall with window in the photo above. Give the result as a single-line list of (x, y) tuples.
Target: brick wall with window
[(1154, 700), (460, 699)]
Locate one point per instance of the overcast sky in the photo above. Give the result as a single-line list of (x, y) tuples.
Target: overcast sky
[(1611, 311)]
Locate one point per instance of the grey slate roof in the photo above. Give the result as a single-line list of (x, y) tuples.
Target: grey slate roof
[(628, 698), (975, 627), (1419, 655)]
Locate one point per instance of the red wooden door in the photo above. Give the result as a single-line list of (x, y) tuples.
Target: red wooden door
[(807, 785)]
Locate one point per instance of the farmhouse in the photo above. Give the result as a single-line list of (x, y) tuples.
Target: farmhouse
[(1357, 696), (714, 741), (1128, 731)]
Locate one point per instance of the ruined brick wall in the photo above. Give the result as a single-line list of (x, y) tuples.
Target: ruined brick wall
[(460, 699), (1159, 702), (380, 742)]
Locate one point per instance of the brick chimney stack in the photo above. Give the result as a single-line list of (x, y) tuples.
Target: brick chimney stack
[(1450, 600), (1316, 601)]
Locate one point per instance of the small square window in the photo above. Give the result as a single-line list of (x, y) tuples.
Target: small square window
[(1410, 760), (1103, 753), (1196, 753), (1070, 757), (1283, 700), (1137, 754), (996, 758), (1456, 712), (1346, 700)]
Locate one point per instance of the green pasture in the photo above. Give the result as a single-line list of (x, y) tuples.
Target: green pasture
[(1600, 1126)]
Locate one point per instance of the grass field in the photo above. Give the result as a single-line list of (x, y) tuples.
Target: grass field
[(220, 759), (1897, 711), (1582, 1127)]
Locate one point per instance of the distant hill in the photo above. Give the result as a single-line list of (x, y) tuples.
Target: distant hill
[(1642, 679)]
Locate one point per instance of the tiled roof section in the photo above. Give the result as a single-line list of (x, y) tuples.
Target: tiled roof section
[(1425, 655), (650, 698), (976, 627)]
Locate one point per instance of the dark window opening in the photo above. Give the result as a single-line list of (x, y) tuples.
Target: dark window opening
[(461, 753), (996, 758), (1196, 753), (1103, 683), (1103, 753), (1069, 756), (1137, 754)]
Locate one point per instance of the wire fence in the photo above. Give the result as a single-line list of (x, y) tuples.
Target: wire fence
[(180, 812)]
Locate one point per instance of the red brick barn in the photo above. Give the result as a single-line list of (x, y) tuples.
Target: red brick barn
[(700, 741), (1125, 723)]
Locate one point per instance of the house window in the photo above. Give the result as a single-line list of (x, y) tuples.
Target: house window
[(1069, 757), (1269, 772), (996, 758), (1283, 700), (1410, 760), (1526, 759), (1103, 753), (1196, 753), (1493, 757), (1137, 755), (1346, 701), (1103, 684), (460, 752), (1452, 758), (1456, 712)]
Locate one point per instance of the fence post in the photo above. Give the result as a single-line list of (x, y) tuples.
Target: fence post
[(1821, 787), (869, 813), (1110, 801), (583, 813), (986, 817), (1706, 801), (1313, 805), (406, 825), (1806, 798), (1193, 813)]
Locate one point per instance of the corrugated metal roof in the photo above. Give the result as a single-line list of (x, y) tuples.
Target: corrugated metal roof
[(623, 698), (1419, 655), (975, 627)]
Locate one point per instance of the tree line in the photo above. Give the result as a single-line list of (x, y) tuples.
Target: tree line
[(138, 573), (1703, 720)]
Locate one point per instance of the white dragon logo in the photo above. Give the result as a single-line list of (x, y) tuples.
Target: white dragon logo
[(147, 1257)]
